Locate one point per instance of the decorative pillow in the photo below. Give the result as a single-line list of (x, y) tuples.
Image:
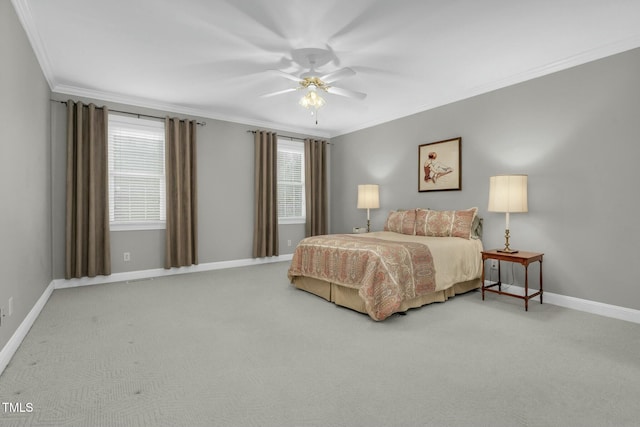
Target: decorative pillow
[(403, 222), (463, 223), (421, 221), (445, 223), (434, 223)]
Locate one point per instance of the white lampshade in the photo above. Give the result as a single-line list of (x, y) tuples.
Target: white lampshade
[(508, 193), (368, 196)]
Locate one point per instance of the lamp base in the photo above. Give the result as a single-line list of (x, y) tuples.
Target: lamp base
[(507, 249)]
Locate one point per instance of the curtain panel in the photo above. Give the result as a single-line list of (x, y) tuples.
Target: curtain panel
[(315, 167), (181, 240), (265, 225), (87, 243)]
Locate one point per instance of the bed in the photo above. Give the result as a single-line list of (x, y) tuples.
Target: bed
[(422, 256)]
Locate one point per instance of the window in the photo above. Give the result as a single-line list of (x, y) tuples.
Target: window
[(291, 203), (136, 173)]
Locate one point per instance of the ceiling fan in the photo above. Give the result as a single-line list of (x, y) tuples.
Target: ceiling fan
[(312, 82)]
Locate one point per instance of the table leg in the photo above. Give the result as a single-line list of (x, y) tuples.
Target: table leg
[(483, 263), (540, 281), (526, 288)]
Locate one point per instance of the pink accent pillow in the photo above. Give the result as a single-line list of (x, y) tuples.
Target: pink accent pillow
[(463, 223), (403, 222), (433, 223), (445, 223)]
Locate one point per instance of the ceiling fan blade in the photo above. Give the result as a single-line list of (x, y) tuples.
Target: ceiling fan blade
[(337, 75), (279, 92), (287, 75), (334, 57), (346, 92)]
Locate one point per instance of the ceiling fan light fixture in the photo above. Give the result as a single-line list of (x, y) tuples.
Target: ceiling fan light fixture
[(312, 99)]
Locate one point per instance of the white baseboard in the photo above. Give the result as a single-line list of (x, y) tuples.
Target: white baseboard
[(160, 272), (16, 339), (593, 307)]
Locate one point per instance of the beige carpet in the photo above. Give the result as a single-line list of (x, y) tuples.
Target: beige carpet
[(242, 347)]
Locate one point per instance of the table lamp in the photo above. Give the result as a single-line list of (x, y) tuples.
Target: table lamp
[(508, 193), (368, 198)]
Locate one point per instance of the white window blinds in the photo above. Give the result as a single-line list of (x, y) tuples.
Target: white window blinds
[(136, 173), (291, 200)]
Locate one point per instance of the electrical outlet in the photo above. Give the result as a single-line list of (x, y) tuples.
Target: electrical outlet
[(10, 307), (127, 256), (494, 264), (288, 242)]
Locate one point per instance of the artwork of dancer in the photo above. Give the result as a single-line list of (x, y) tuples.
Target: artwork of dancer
[(433, 169), (439, 165)]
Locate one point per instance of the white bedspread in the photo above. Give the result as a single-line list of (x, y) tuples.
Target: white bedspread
[(455, 260)]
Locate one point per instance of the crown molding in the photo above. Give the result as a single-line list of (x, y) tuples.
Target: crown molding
[(599, 52), (178, 109), (25, 16), (582, 58), (26, 19)]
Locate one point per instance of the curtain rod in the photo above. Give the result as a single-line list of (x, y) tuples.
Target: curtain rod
[(133, 114), (293, 138)]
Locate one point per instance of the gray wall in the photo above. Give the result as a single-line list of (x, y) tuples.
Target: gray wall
[(25, 227), (576, 134), (225, 197)]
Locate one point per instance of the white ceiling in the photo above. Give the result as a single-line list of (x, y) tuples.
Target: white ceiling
[(212, 58)]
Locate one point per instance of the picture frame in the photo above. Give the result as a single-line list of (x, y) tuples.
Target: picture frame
[(440, 165)]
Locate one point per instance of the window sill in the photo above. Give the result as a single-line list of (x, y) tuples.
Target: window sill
[(288, 221), (138, 226)]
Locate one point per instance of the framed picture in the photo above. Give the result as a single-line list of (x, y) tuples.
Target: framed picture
[(439, 166)]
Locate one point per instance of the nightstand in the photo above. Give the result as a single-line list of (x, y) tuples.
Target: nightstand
[(521, 257)]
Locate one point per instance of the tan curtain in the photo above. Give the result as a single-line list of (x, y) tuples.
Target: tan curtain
[(87, 248), (265, 224), (315, 170), (181, 240)]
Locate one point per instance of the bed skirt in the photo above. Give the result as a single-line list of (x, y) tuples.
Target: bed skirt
[(348, 297)]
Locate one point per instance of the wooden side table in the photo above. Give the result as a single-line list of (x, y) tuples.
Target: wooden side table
[(520, 257)]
